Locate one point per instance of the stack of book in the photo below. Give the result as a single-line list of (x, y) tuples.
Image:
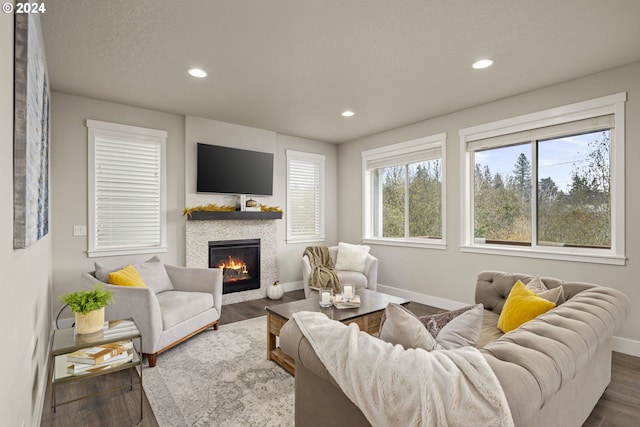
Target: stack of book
[(340, 302), (104, 356)]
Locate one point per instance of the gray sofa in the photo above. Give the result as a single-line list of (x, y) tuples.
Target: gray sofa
[(553, 369), (188, 301)]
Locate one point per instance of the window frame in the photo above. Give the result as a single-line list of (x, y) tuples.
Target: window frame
[(386, 154), (607, 105), (97, 129), (318, 161)]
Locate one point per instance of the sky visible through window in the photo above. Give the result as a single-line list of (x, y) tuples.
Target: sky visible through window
[(557, 158)]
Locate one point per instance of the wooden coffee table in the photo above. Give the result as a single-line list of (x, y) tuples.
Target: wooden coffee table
[(367, 316)]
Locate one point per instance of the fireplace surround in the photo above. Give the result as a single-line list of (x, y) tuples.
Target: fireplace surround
[(240, 263), (201, 231)]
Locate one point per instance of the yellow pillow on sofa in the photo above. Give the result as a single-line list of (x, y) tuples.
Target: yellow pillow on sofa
[(521, 305), (128, 276)]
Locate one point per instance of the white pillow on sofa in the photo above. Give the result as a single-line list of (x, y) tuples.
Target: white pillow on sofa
[(442, 331), (351, 257), (402, 327)]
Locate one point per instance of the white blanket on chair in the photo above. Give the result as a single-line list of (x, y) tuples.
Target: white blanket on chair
[(397, 387)]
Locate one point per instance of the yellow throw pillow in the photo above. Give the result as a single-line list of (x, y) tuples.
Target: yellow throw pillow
[(521, 305), (128, 276)]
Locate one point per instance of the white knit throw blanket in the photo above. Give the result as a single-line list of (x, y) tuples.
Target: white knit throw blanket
[(397, 387)]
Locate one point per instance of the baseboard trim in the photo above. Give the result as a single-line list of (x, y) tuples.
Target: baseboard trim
[(437, 302), (621, 345), (626, 346), (292, 286)]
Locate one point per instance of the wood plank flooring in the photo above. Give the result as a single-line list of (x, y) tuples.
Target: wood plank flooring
[(618, 407)]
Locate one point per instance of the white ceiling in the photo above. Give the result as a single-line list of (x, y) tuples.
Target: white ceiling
[(292, 66)]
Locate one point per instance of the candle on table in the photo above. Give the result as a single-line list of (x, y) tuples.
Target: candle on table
[(326, 297), (348, 292)]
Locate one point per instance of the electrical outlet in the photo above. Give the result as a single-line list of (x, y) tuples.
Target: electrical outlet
[(79, 230)]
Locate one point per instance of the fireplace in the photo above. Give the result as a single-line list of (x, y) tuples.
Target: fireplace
[(240, 263)]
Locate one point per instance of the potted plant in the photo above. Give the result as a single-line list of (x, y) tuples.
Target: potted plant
[(88, 307)]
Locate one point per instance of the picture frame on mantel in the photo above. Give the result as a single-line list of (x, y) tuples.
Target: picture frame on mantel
[(31, 134)]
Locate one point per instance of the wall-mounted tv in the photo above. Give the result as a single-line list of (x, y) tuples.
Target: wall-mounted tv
[(232, 170)]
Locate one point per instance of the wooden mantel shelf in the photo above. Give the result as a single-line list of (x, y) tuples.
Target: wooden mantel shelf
[(231, 215)]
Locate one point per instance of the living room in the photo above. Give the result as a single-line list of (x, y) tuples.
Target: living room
[(442, 276)]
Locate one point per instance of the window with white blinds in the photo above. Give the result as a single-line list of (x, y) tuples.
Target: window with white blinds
[(305, 197), (126, 189)]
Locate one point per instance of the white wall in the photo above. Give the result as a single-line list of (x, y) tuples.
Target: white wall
[(25, 304), (450, 274), (70, 181), (248, 138)]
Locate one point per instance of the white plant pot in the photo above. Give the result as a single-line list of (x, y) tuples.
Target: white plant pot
[(91, 322)]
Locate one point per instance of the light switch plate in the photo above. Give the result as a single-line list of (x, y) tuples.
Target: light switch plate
[(79, 230)]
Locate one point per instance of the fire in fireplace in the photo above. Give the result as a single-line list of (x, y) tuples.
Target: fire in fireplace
[(240, 263)]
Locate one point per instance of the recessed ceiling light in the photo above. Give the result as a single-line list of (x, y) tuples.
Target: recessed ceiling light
[(347, 113), (482, 63), (197, 72)]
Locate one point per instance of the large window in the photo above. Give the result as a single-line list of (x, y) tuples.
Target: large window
[(404, 193), (126, 189), (305, 197), (550, 184)]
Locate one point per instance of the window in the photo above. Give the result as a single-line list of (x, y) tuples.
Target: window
[(305, 197), (548, 184), (404, 193), (126, 189)]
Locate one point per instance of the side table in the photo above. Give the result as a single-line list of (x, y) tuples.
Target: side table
[(64, 341)]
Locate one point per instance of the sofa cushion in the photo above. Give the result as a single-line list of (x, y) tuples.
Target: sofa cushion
[(355, 278), (489, 331), (152, 272), (452, 329), (555, 295), (351, 257), (178, 306), (127, 276), (521, 305), (456, 328), (404, 328)]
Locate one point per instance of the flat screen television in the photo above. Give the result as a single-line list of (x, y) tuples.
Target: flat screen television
[(232, 170)]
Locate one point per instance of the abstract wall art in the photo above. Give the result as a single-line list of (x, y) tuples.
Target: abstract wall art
[(31, 135)]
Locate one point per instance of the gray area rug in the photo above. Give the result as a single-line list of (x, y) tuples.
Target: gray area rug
[(221, 378)]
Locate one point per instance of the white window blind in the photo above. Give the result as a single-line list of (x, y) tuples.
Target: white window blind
[(305, 196), (576, 127), (127, 212)]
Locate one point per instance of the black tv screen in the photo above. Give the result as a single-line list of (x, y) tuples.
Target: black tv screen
[(232, 170)]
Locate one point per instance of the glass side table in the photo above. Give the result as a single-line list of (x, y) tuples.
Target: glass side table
[(66, 341)]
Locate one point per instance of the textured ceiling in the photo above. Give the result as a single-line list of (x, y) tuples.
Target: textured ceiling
[(293, 66)]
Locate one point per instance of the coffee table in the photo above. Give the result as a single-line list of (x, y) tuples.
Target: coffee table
[(367, 316)]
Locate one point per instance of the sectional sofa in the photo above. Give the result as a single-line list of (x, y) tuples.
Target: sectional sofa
[(553, 369)]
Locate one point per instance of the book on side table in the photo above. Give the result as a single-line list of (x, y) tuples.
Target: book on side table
[(83, 368), (339, 302), (99, 354)]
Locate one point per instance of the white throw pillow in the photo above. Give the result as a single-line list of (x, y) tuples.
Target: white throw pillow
[(402, 327), (351, 257), (461, 327), (450, 330)]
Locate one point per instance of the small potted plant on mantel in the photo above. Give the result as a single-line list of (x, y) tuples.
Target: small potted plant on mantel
[(88, 307)]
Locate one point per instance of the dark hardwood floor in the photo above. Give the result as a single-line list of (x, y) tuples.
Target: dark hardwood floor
[(618, 407)]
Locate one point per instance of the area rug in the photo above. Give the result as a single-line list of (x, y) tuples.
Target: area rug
[(221, 378)]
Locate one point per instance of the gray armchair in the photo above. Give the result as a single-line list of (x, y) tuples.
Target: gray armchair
[(167, 315), (367, 279)]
